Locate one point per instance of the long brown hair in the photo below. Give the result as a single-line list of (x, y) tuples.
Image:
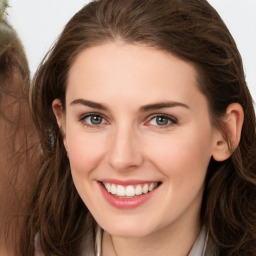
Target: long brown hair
[(18, 140), (191, 30)]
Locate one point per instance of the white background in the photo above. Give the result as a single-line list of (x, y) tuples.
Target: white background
[(39, 22)]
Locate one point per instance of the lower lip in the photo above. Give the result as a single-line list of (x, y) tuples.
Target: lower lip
[(126, 203)]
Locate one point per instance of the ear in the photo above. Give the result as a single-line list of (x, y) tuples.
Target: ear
[(60, 118), (233, 123)]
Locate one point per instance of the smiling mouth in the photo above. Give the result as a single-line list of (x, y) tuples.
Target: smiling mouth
[(130, 191)]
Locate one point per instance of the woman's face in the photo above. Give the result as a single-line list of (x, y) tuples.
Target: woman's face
[(139, 138)]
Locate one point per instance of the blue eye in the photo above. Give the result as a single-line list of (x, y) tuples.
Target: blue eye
[(93, 119), (162, 120)]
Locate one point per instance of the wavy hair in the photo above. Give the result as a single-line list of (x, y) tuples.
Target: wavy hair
[(18, 140), (191, 30)]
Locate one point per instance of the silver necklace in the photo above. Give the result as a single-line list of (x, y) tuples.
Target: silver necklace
[(98, 240)]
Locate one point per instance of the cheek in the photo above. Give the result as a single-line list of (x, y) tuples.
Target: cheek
[(84, 152), (184, 157)]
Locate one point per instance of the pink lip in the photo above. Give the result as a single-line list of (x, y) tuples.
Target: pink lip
[(126, 203)]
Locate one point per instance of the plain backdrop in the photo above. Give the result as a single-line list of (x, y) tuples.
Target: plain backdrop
[(39, 22)]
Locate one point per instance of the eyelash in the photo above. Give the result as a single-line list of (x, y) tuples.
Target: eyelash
[(90, 115), (170, 119)]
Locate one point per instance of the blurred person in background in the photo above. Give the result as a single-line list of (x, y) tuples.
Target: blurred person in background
[(18, 148)]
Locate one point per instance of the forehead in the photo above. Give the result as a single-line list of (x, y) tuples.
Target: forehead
[(119, 52), (130, 68)]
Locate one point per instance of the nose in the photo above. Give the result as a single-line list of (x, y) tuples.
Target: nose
[(125, 152)]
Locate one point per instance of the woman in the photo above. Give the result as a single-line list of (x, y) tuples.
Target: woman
[(147, 131), (18, 148)]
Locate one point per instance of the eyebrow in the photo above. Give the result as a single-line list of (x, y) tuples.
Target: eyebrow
[(160, 105), (149, 107), (89, 103)]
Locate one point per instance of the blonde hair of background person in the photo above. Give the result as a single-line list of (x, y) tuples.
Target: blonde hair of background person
[(113, 62), (17, 136)]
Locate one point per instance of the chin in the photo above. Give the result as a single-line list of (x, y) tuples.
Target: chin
[(129, 229), (128, 233)]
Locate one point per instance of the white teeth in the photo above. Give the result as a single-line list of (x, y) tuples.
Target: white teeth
[(151, 187), (138, 190), (108, 187), (145, 188), (120, 191), (130, 190), (113, 189)]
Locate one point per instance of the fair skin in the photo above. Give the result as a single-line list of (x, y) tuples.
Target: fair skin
[(134, 116)]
